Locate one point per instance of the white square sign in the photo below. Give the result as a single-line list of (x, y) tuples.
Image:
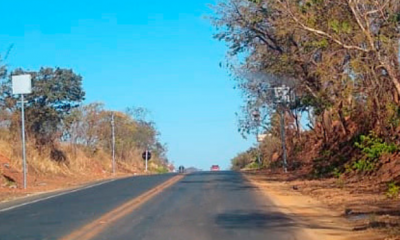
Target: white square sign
[(22, 84)]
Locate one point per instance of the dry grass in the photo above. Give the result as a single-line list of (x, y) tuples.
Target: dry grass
[(79, 163), (83, 165)]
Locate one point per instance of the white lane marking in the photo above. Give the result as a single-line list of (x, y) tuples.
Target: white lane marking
[(53, 196)]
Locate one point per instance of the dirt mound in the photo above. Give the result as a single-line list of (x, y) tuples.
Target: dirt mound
[(9, 176), (390, 169)]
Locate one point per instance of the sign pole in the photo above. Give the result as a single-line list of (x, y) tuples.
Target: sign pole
[(283, 98), (23, 138), (283, 137), (258, 149), (22, 84), (257, 118), (147, 158)]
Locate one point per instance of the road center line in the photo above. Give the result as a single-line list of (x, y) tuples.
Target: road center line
[(92, 229)]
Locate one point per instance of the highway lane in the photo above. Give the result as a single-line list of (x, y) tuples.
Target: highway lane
[(53, 218), (201, 206), (206, 206)]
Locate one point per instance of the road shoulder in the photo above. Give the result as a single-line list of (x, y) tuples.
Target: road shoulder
[(317, 220)]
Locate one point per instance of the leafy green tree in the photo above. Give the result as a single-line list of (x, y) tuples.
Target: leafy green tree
[(55, 92), (243, 159)]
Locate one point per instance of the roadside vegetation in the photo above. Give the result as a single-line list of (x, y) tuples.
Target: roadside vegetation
[(340, 61), (67, 137)]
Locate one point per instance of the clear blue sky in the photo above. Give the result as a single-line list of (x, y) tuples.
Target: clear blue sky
[(154, 54)]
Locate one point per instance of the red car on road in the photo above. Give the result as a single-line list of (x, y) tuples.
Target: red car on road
[(215, 168)]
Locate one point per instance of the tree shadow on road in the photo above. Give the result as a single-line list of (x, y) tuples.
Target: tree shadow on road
[(272, 220), (253, 220)]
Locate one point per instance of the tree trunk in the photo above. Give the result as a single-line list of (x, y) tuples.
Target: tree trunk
[(377, 123), (298, 125), (396, 97), (295, 116), (327, 123), (343, 119), (393, 77)]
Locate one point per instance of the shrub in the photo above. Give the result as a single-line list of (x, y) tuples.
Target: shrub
[(269, 146), (253, 165), (326, 153), (373, 147), (242, 160), (364, 165), (321, 170), (393, 190), (336, 173), (161, 170), (348, 168)]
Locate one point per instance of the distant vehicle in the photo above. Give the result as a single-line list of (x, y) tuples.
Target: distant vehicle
[(181, 169), (215, 168)]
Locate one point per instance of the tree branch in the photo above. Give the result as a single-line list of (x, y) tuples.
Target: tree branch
[(320, 32), (264, 37), (358, 20)]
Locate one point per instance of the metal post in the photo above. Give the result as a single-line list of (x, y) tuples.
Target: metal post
[(23, 139), (113, 142), (258, 149), (257, 119), (283, 140), (147, 159)]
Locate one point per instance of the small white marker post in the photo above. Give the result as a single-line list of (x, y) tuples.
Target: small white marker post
[(22, 84), (113, 141)]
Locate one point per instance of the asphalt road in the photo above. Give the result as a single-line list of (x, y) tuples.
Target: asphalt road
[(202, 206), (56, 217)]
